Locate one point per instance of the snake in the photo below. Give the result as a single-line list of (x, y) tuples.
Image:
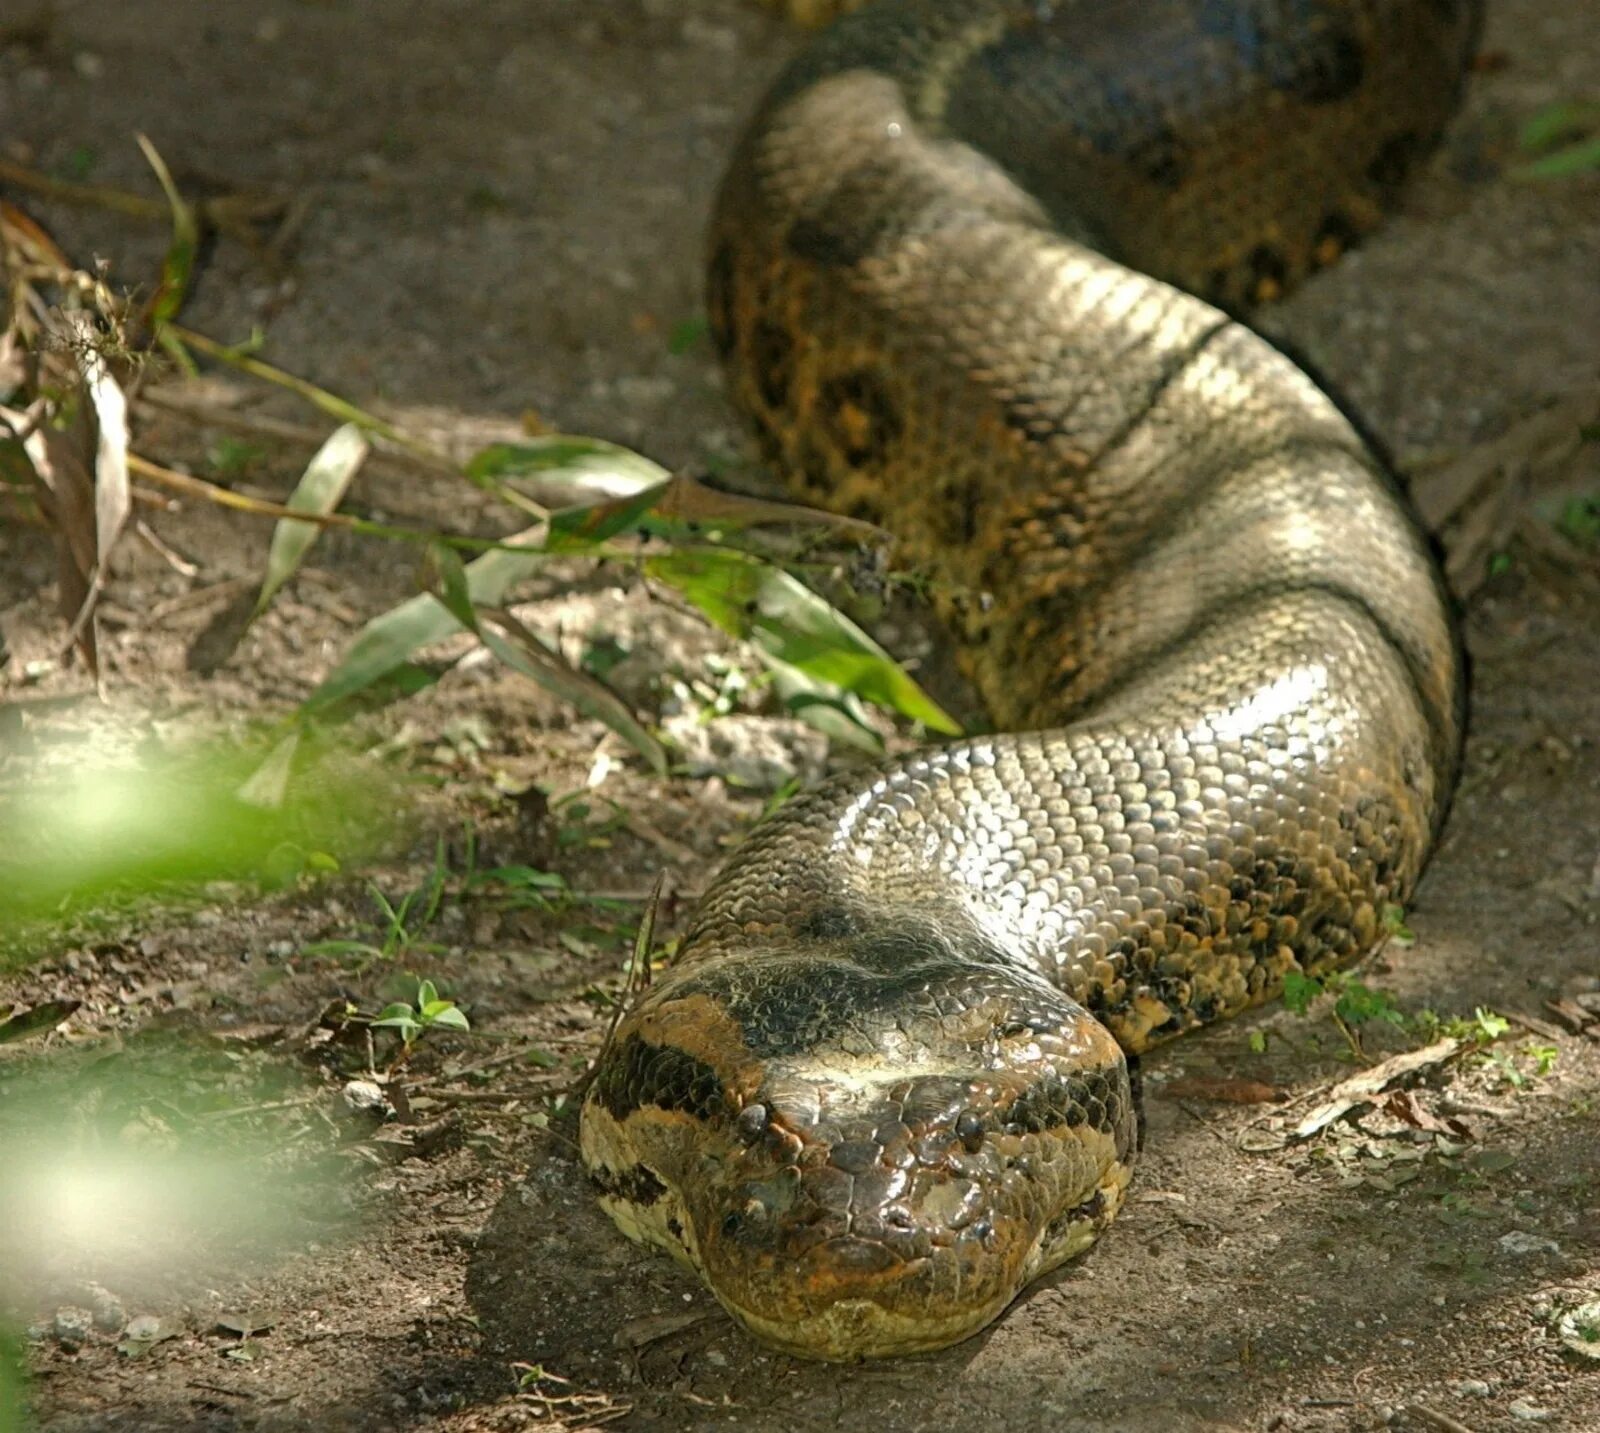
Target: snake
[(979, 272)]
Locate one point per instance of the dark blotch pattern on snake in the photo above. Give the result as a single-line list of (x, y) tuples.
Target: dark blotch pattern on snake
[(885, 1084)]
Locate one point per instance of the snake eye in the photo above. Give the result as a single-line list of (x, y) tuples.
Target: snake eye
[(751, 1123), (731, 1223), (1014, 1028), (969, 1130)]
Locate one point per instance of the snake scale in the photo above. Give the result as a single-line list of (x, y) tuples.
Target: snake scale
[(971, 269)]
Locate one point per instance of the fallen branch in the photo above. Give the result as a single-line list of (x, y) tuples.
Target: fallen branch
[(1364, 1088)]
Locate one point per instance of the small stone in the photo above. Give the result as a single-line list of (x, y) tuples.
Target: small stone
[(72, 1328), (1470, 1388), (1519, 1244), (1579, 1330), (1526, 1412), (106, 1307), (366, 1100), (758, 753), (144, 1328)]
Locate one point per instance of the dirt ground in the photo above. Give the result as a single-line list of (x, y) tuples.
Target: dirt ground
[(499, 206)]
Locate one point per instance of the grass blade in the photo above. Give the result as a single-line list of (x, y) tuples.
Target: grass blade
[(177, 265)]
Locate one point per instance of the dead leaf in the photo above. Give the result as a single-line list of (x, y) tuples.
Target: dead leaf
[(1402, 1104), (81, 472), (245, 1325), (1363, 1088)]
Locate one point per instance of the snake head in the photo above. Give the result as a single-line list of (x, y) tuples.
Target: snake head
[(864, 1151)]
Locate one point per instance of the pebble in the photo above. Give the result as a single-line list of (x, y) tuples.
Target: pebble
[(1519, 1244), (1528, 1412), (106, 1307), (72, 1328), (362, 1097), (1470, 1388), (144, 1328)]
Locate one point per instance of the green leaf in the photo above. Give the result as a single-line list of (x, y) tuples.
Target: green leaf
[(1358, 1004), (268, 785), (1490, 1025), (398, 1010), (320, 490), (427, 993), (1299, 991), (576, 529), (1577, 158), (525, 876), (590, 462), (177, 267), (1394, 921), (524, 652), (449, 584), (1579, 520), (388, 642), (787, 621), (1555, 122), (837, 714), (451, 1017), (686, 333), (340, 947)]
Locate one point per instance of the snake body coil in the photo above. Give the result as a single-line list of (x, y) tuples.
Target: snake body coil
[(885, 1083)]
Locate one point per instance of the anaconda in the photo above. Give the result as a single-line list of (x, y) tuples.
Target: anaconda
[(971, 271)]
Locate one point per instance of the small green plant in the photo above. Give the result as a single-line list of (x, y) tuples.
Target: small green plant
[(401, 924), (1579, 520), (526, 887), (231, 457), (1355, 1004), (1394, 923), (687, 333), (411, 1020), (1562, 140), (582, 824), (1512, 1074)]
